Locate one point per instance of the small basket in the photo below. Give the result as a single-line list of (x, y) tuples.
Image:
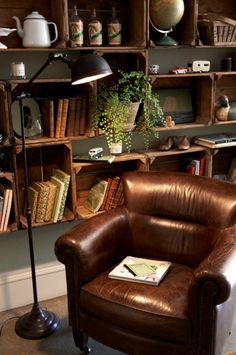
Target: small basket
[(216, 30)]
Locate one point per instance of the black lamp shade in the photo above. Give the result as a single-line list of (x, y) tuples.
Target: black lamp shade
[(89, 67)]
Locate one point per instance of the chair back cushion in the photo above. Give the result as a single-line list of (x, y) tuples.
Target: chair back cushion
[(177, 216)]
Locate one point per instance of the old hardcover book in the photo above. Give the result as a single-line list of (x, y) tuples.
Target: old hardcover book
[(58, 198), (58, 118), (33, 201), (42, 201), (78, 108), (48, 118), (5, 191), (118, 198), (114, 187), (1, 206), (140, 270), (71, 117), (8, 209), (64, 117), (111, 192), (50, 202), (96, 195), (65, 178), (83, 115), (109, 183)]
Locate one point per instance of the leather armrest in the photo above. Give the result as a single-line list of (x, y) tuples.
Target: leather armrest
[(95, 244), (215, 276)]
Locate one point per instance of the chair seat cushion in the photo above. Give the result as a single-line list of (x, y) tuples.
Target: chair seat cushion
[(149, 310)]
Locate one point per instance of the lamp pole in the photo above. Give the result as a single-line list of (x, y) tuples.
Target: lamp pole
[(41, 323)]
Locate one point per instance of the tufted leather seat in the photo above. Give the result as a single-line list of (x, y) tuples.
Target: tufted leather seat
[(186, 219)]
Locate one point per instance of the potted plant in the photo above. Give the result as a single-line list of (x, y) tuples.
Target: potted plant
[(113, 109), (110, 116), (135, 86)]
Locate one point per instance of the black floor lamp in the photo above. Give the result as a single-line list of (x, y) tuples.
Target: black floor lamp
[(40, 323)]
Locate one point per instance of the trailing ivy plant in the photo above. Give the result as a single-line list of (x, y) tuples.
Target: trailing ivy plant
[(136, 86), (111, 115), (111, 112)]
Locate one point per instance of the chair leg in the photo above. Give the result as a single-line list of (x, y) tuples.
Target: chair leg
[(81, 340)]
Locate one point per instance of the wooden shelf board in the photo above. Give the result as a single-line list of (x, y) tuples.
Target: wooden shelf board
[(155, 153)]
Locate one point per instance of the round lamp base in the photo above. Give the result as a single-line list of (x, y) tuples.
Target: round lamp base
[(37, 324)]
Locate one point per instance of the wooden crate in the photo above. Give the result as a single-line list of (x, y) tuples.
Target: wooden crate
[(201, 88), (217, 21), (132, 15), (42, 161), (52, 10)]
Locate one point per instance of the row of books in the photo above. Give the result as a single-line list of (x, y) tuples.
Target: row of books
[(194, 166), (105, 194), (6, 196), (48, 198), (66, 117)]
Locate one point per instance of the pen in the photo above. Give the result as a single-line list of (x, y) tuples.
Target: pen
[(131, 271)]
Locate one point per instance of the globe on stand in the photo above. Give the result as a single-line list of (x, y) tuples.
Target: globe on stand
[(165, 14)]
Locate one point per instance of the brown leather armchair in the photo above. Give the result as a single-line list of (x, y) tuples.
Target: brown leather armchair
[(188, 220)]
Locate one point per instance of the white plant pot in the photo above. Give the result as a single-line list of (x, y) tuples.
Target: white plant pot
[(116, 148)]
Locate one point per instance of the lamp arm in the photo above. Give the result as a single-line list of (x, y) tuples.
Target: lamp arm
[(52, 57)]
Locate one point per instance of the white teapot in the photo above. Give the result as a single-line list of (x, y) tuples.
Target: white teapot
[(36, 30)]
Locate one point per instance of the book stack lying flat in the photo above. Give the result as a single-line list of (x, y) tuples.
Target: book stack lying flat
[(219, 140), (140, 270)]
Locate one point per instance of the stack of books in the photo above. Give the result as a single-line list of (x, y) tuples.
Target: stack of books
[(105, 194), (48, 198), (194, 166), (219, 140)]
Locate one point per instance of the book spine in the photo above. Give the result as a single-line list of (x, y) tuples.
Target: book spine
[(78, 108), (59, 118), (65, 178), (64, 117), (42, 202), (51, 119), (83, 115), (50, 203), (71, 117), (114, 187)]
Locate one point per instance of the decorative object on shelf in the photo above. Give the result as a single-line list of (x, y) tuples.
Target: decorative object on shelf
[(225, 110), (216, 29), (168, 122), (178, 70), (32, 118), (41, 323), (114, 30), (95, 30), (76, 27), (95, 153), (4, 31), (35, 31), (177, 103), (199, 66), (226, 64), (182, 143), (17, 70), (153, 69), (165, 14)]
